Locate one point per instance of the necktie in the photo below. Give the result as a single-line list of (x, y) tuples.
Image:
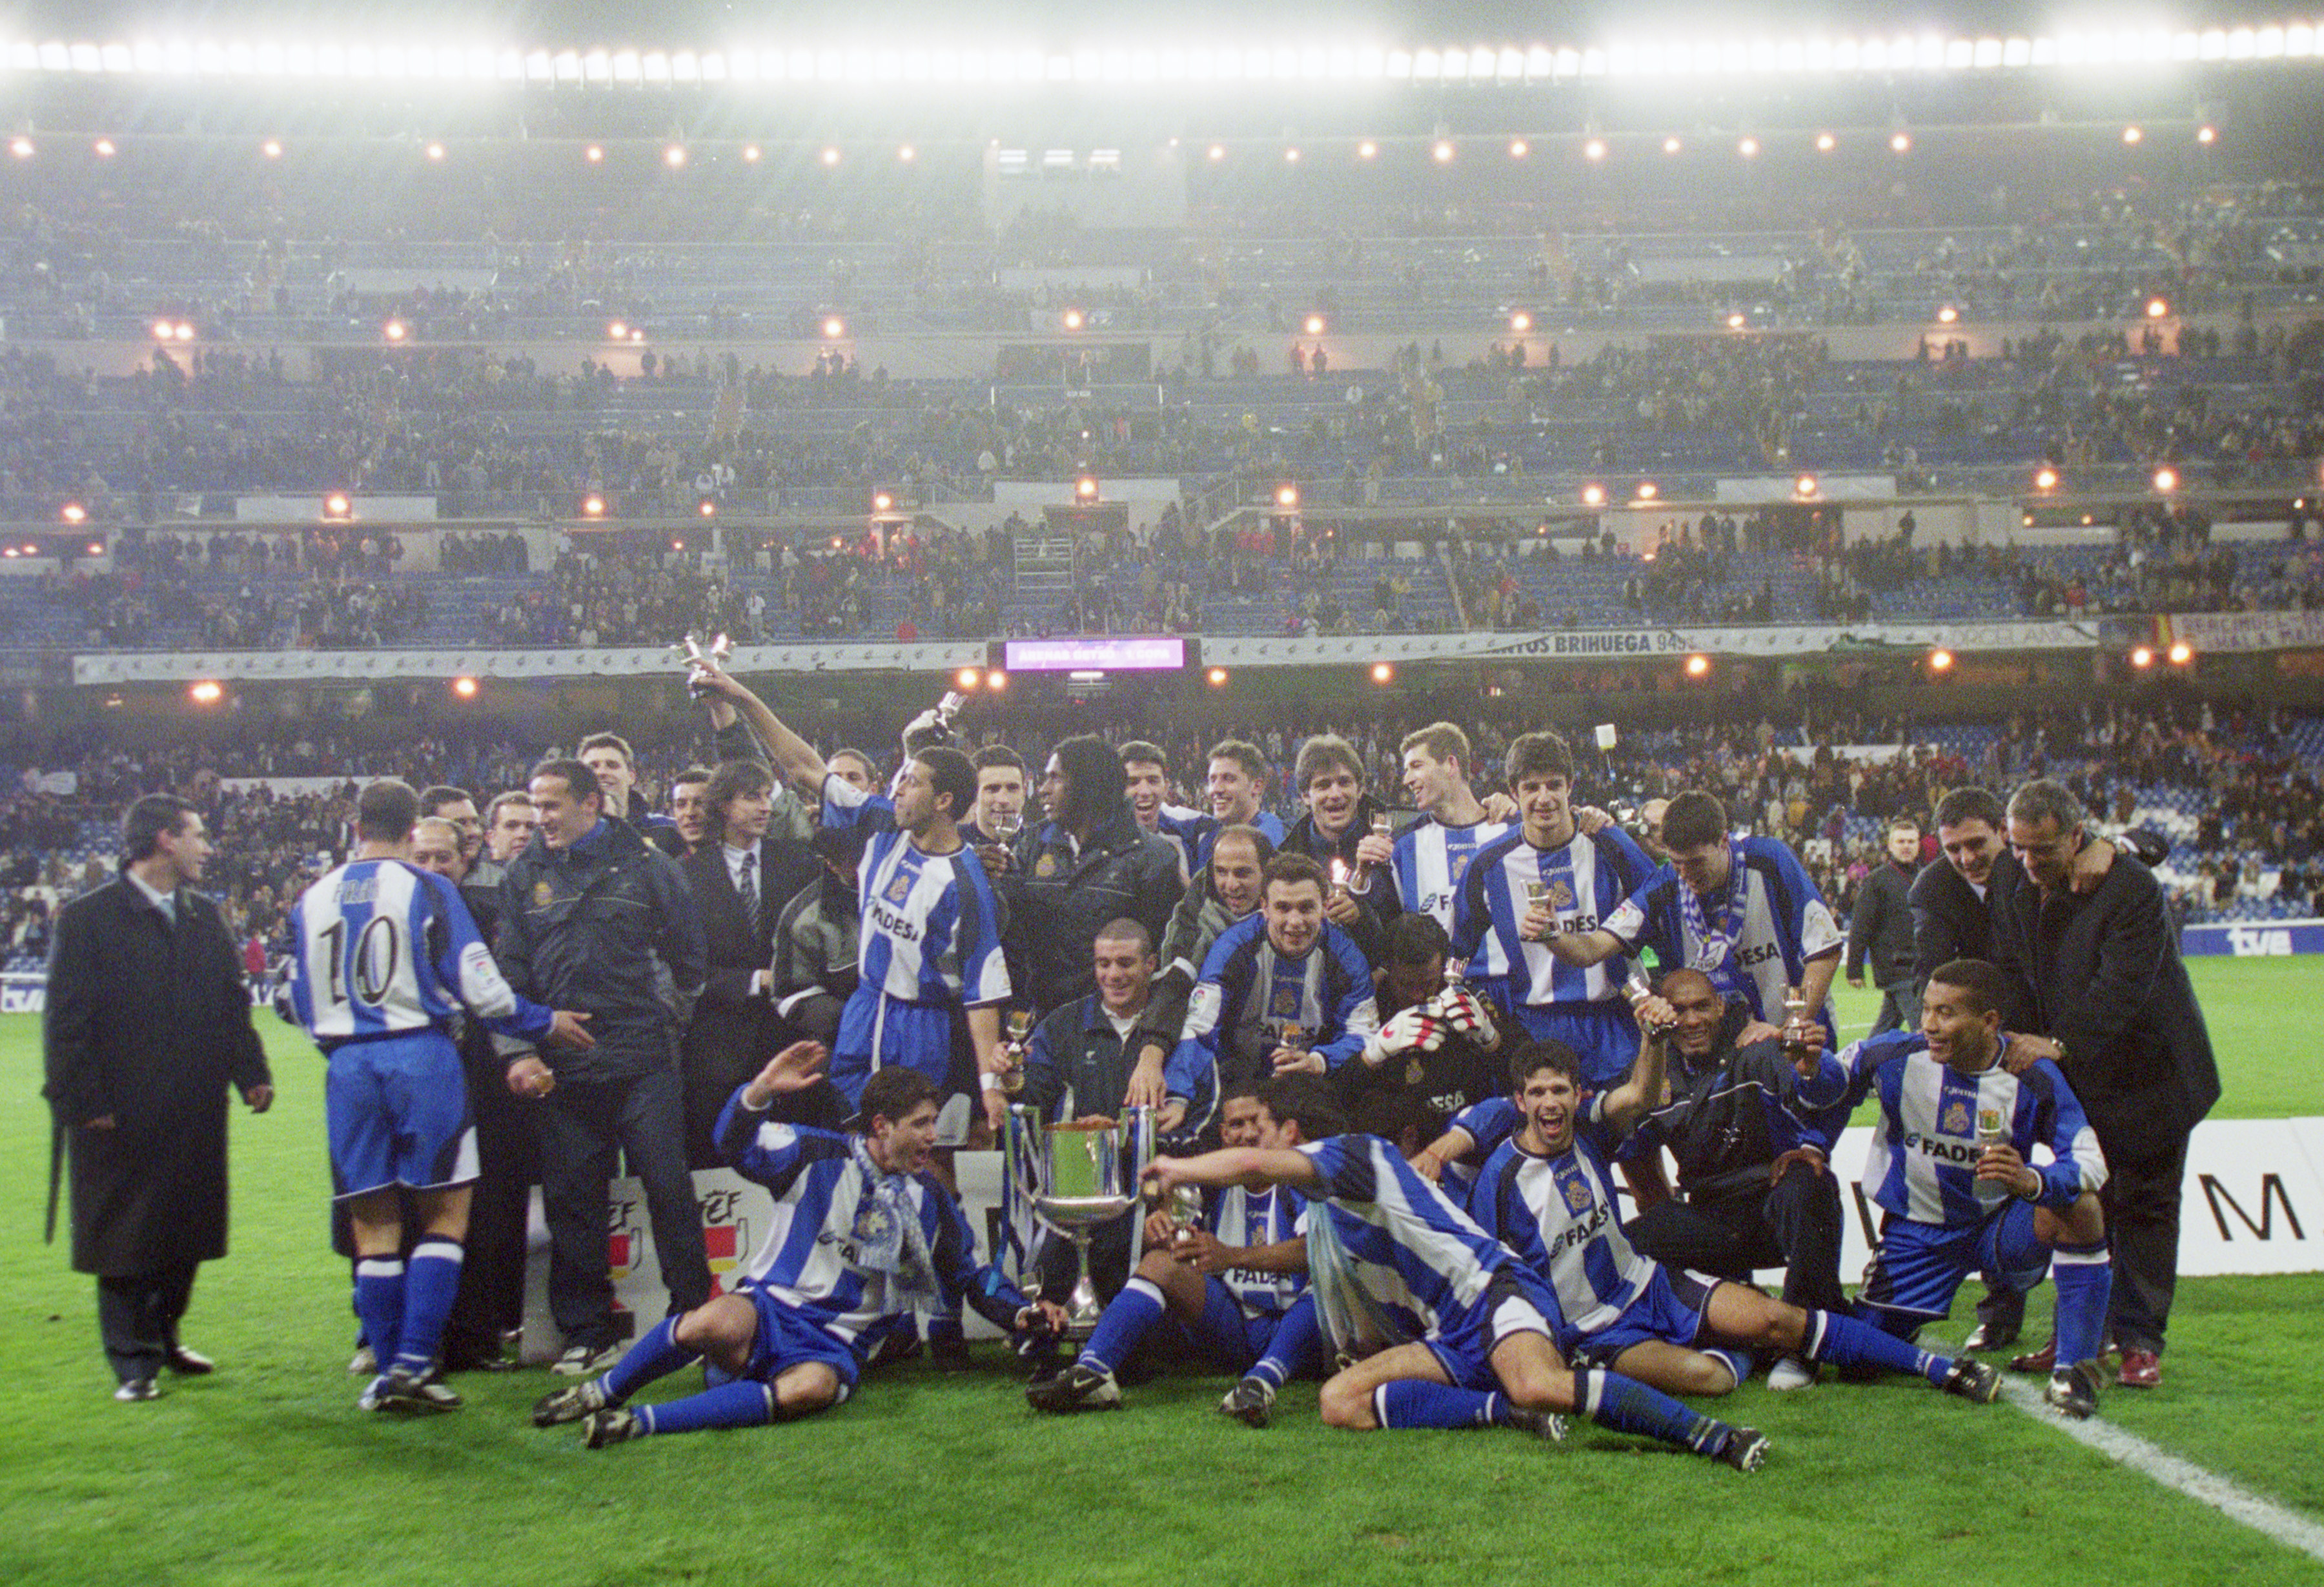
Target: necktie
[(748, 889)]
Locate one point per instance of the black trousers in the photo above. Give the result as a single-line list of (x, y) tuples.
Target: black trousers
[(491, 1301), (137, 1316), (2141, 1200), (1795, 1224), (579, 1126)]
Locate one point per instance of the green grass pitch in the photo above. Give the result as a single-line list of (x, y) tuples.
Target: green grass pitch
[(267, 1473)]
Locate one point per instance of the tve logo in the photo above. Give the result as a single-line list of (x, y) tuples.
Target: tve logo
[(2258, 942)]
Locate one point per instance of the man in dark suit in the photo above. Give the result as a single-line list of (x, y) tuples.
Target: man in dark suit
[(148, 1022), (2099, 972), (741, 878)]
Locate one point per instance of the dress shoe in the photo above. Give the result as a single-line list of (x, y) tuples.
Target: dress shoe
[(138, 1388), (2141, 1368), (189, 1363)]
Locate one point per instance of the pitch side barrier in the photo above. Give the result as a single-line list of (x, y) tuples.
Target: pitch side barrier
[(2252, 1203), (2254, 939)]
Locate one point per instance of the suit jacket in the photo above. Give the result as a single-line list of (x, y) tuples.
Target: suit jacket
[(729, 1022), (1950, 921), (2101, 973), (148, 1021)]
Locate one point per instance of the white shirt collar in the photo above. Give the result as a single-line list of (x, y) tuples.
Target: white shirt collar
[(735, 858), (167, 902)]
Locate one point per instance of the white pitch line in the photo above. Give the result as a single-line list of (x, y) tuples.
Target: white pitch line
[(2264, 1516)]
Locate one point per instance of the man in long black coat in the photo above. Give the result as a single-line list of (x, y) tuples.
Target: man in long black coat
[(2099, 973), (148, 1022)]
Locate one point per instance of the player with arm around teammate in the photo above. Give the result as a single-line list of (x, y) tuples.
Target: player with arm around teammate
[(1547, 1193), (1948, 1168), (1229, 1287), (1462, 1334), (861, 1235), (385, 955)]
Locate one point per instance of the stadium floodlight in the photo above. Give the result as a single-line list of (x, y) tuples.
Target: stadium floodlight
[(967, 678), (185, 330), (1948, 315), (1442, 151), (2141, 657), (208, 692), (1218, 153), (436, 152), (2206, 135), (21, 148), (2133, 136), (1593, 150), (593, 155), (1519, 148), (1074, 319), (1291, 156), (1216, 676), (464, 688), (1748, 147), (272, 148), (338, 506), (1737, 320), (105, 148), (74, 512), (1826, 143), (1648, 490), (395, 330), (1520, 322), (906, 154), (750, 153), (1085, 488), (2166, 480), (1286, 496), (1941, 660), (1383, 673), (2181, 653), (1900, 143), (1312, 325), (2045, 479), (833, 327), (1805, 486), (673, 156), (1698, 666), (830, 156), (1367, 150), (1672, 145)]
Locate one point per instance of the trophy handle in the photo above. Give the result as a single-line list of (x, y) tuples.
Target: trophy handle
[(1022, 1183)]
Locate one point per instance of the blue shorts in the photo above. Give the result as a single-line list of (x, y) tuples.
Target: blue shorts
[(1669, 1309), (1919, 1266), (1603, 1035), (877, 1032), (786, 1339), (1515, 1303), (397, 1110), (1230, 1337)]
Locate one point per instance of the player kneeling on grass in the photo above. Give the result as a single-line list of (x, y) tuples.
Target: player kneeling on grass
[(1466, 1332), (1229, 1289), (1949, 1169), (1546, 1192), (861, 1235)]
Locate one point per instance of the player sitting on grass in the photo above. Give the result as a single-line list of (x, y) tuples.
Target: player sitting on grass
[(1546, 1194), (1465, 1331), (1229, 1290), (1947, 1167), (861, 1235)]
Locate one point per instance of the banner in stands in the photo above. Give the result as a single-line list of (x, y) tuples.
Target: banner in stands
[(1590, 644), (2244, 630), (2254, 939), (2252, 1203), (950, 655)]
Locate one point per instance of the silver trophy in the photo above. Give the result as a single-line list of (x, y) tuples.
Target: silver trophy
[(698, 656), (1074, 1176)]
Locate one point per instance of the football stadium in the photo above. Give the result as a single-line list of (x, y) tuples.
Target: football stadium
[(1711, 630)]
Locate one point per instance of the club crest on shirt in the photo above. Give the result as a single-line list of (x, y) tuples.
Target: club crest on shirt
[(874, 1224), (1287, 1001), (901, 889), (1460, 868), (1955, 1121), (543, 894), (1576, 1194), (1413, 1072), (1046, 865), (1561, 894)]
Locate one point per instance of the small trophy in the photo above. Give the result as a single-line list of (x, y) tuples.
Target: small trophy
[(1992, 1131), (1020, 1026), (1795, 1013), (1381, 828), (698, 660)]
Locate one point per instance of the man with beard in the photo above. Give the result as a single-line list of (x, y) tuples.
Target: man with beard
[(862, 1233), (1088, 863), (1227, 892), (1448, 1060)]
